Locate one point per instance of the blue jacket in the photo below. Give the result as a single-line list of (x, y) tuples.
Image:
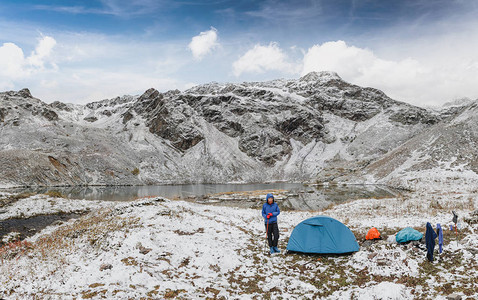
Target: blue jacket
[(270, 208), (440, 237)]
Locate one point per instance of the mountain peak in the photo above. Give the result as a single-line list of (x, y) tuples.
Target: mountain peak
[(25, 93), (458, 102), (320, 76)]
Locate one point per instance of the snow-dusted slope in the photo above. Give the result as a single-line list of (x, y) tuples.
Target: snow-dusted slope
[(445, 153), (318, 126)]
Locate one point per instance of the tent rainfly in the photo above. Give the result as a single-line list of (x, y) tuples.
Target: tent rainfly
[(324, 235)]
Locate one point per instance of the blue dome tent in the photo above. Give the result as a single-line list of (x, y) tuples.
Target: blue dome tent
[(323, 235)]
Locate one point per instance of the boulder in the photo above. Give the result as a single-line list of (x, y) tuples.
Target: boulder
[(106, 267), (453, 297)]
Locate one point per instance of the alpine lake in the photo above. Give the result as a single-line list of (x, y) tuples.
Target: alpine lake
[(289, 196)]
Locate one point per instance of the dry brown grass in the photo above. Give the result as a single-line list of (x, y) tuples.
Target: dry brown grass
[(93, 228), (55, 194), (14, 198), (14, 250)]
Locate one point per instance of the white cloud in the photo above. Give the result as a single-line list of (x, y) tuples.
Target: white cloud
[(406, 79), (93, 67), (261, 59), (42, 52), (12, 61), (15, 66), (430, 71), (357, 64), (204, 43), (93, 84)]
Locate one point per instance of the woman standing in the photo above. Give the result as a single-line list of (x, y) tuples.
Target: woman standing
[(270, 211)]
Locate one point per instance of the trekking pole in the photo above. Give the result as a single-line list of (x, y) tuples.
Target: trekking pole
[(455, 220), (267, 234)]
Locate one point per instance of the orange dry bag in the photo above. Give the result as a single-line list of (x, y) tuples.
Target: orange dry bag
[(372, 234)]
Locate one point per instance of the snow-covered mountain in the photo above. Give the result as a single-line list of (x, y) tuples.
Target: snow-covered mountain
[(318, 127)]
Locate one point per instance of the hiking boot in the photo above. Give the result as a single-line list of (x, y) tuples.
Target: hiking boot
[(272, 250), (276, 249)]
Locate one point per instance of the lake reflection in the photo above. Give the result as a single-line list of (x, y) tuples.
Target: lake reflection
[(319, 197), (182, 191)]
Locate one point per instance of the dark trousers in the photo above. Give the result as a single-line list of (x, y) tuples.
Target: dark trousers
[(272, 234)]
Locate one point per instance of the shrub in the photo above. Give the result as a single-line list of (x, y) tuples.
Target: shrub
[(55, 194)]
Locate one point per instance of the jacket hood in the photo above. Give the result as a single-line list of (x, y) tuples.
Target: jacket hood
[(269, 196)]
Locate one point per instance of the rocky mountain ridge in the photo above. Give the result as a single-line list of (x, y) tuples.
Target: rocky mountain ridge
[(318, 127)]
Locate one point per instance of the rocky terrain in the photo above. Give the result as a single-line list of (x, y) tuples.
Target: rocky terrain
[(316, 128)]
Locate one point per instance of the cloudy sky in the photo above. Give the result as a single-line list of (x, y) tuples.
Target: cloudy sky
[(419, 51)]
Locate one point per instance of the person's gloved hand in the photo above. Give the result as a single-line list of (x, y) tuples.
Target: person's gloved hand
[(269, 215)]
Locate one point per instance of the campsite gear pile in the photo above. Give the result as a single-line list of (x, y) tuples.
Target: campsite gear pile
[(326, 235), (409, 234)]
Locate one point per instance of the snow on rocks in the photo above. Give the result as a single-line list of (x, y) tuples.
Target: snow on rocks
[(157, 248), (242, 132)]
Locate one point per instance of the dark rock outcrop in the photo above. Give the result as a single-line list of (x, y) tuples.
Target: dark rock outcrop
[(413, 116), (25, 93), (57, 105), (91, 119), (49, 114), (171, 119)]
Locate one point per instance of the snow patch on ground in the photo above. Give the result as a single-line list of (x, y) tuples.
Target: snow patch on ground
[(6, 185), (44, 204), (383, 291)]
